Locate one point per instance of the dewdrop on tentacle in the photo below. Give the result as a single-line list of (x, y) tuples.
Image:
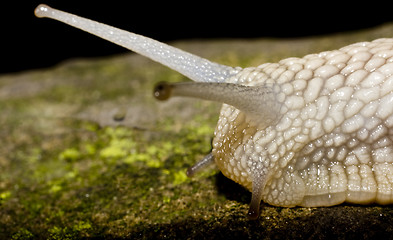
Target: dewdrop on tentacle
[(311, 131)]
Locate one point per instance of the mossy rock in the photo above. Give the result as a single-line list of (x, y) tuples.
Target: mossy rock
[(87, 152)]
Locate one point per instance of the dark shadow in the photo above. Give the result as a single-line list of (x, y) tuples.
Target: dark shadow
[(232, 190)]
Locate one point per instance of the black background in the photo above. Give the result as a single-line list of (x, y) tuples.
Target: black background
[(28, 42)]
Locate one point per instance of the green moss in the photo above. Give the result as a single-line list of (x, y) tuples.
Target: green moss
[(70, 154), (58, 233), (82, 226), (55, 188), (180, 177), (4, 196), (22, 234)]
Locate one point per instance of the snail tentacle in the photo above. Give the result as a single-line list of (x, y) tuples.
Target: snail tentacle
[(259, 102), (190, 65), (200, 165)]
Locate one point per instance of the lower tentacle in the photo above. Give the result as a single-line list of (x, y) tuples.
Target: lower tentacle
[(200, 165), (256, 198)]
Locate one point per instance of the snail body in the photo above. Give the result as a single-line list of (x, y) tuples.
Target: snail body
[(311, 131), (333, 140)]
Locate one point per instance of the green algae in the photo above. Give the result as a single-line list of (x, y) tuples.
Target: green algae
[(71, 167)]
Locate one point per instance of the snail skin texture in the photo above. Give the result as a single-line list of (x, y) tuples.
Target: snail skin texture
[(311, 131)]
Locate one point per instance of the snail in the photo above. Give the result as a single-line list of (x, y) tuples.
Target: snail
[(312, 131)]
